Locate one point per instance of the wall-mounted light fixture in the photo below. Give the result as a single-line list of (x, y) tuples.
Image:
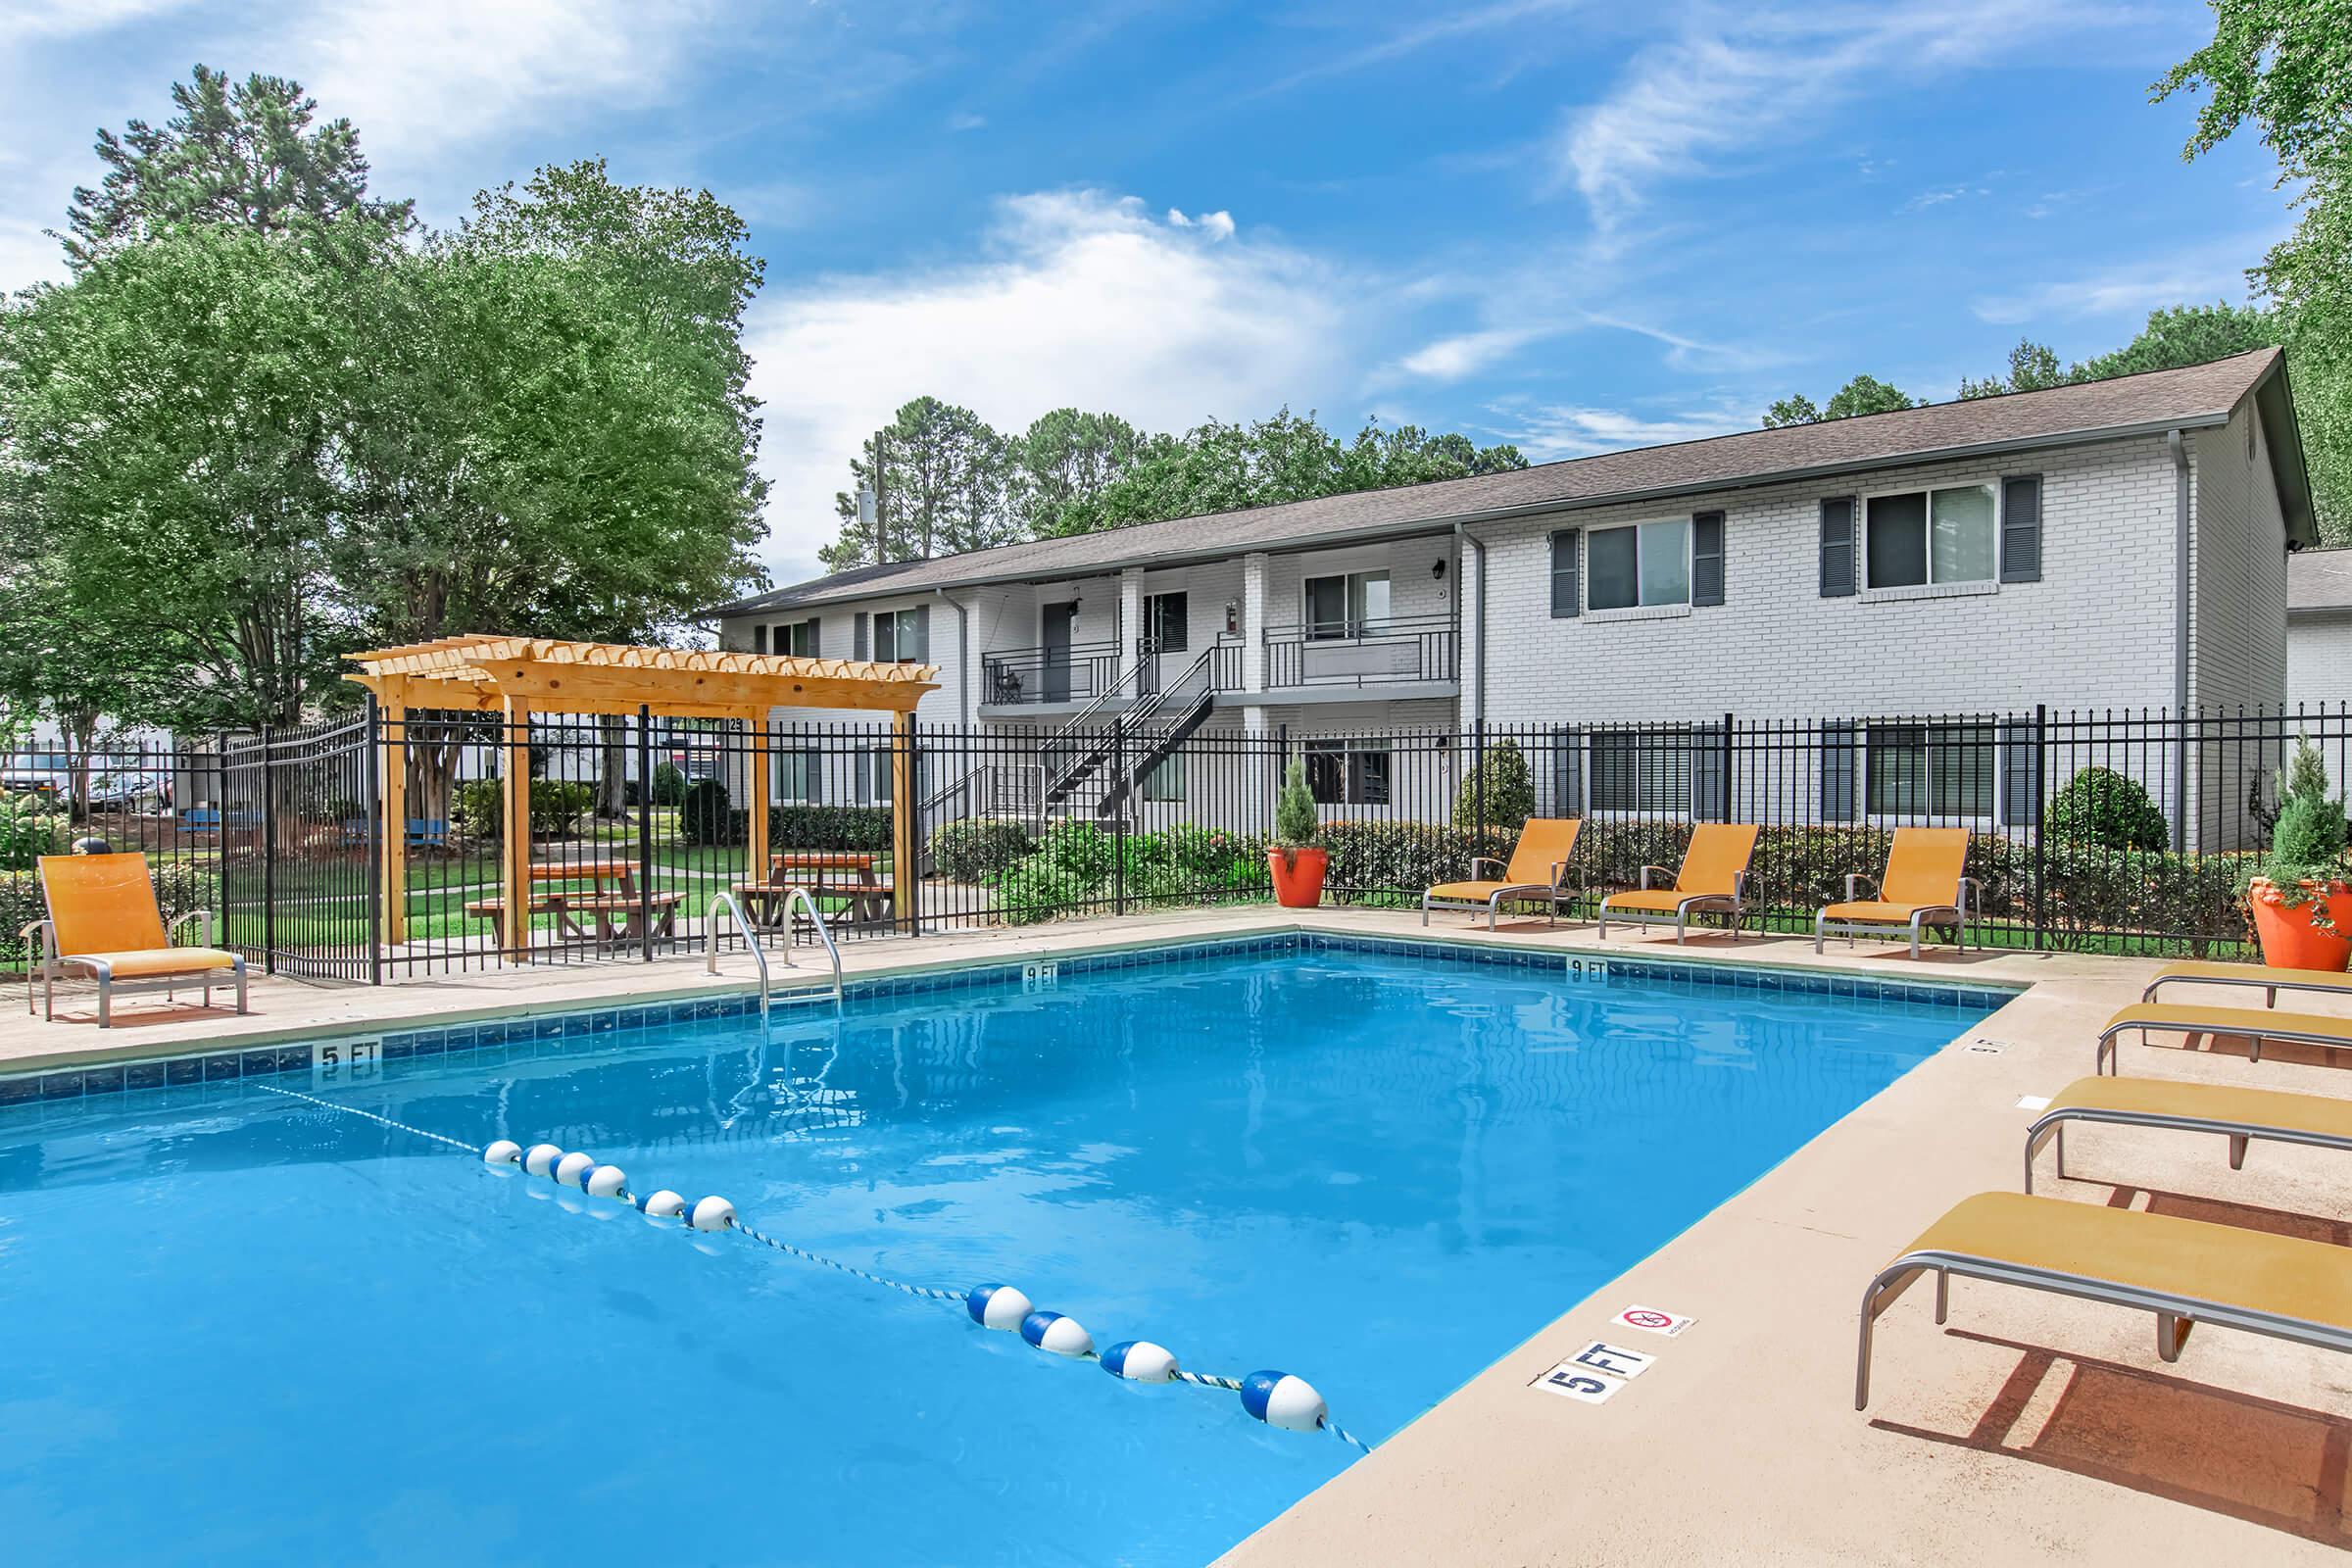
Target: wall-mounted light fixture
[(1438, 571)]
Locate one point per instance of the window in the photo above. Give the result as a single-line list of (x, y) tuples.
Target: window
[(1346, 605), (1348, 773), (758, 639), (1919, 537), (1167, 622), (1165, 782), (902, 636), (1635, 771), (795, 638), (1930, 769), (1640, 564), (793, 776)]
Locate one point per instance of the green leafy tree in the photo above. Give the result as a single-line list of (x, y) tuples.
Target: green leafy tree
[(2033, 367), (2187, 334), (944, 482), (246, 155), (1064, 460), (1864, 394)]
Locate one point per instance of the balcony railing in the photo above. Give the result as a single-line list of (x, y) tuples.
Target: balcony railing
[(1078, 673), (1364, 653)]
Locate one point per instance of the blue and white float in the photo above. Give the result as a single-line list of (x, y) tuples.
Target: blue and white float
[(1279, 1400), (1139, 1361), (712, 1214), (605, 1181), (1061, 1336), (998, 1306), (540, 1159), (661, 1203), (505, 1152), (573, 1168)]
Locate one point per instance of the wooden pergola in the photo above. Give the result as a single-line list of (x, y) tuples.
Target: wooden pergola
[(516, 676)]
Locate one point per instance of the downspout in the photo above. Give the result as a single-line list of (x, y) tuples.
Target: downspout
[(1478, 687), (964, 657), (2174, 444)]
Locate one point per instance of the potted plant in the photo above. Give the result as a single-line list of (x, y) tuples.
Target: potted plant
[(1297, 861), (2302, 904)]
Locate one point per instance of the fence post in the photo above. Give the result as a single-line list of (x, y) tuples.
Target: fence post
[(268, 853), (1729, 814), (645, 830), (373, 817), (1123, 792), (2038, 805), (1478, 780)]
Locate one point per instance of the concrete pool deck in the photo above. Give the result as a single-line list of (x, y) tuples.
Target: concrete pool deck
[(2026, 1427)]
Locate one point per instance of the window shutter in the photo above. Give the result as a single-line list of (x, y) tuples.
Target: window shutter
[(2020, 528), (2021, 791), (1837, 547), (1565, 598), (1710, 790), (859, 637), (759, 639), (920, 652), (1567, 772), (1837, 771), (1707, 558), (813, 624)]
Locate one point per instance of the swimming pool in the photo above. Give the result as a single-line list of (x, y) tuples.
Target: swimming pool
[(242, 1327)]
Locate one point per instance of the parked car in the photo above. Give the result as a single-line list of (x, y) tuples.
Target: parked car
[(44, 774), (50, 775)]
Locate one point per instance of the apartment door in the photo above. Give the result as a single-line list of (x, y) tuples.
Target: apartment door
[(1060, 622)]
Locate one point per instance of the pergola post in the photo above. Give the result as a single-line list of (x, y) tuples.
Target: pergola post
[(514, 880), (904, 865), (392, 795), (755, 819)]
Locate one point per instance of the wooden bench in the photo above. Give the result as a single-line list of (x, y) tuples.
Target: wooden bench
[(868, 898), (619, 913)]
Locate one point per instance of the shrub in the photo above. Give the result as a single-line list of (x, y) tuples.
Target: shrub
[(2309, 838), (1294, 817), (1402, 857), (670, 784), (478, 807), (1079, 848), (702, 815), (2103, 807), (27, 831), (1040, 888), (975, 850), (861, 829), (1501, 783)]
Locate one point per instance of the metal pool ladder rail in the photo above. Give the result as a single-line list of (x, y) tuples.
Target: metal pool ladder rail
[(751, 938)]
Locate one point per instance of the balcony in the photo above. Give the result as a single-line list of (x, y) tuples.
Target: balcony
[(1423, 650), (1043, 676)]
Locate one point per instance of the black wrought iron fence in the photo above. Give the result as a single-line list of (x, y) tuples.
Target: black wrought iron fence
[(363, 848)]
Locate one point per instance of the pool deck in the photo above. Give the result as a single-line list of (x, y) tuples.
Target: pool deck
[(2026, 1427)]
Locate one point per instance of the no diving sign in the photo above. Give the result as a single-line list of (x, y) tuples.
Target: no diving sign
[(1650, 1320)]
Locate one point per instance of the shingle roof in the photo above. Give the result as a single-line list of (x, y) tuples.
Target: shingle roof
[(2194, 396), (2319, 579)]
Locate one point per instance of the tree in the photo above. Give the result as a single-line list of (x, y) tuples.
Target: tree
[(1064, 460), (941, 482), (1864, 394), (2187, 334), (2286, 66), (244, 154), (2033, 367)]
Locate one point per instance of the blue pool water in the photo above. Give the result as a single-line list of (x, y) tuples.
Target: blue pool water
[(242, 1328)]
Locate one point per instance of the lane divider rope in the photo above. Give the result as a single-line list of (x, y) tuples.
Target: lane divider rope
[(1277, 1398)]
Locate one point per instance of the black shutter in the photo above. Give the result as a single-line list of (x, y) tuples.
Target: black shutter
[(2020, 792), (1837, 547), (1837, 771), (1707, 558), (1567, 772), (1565, 598), (1710, 790), (2020, 528), (857, 637), (759, 639)]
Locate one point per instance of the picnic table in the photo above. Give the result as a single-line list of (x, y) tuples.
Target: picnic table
[(868, 898), (617, 914)]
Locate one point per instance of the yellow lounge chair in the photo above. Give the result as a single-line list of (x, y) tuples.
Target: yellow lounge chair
[(2186, 1271), (2205, 973), (1924, 886), (2238, 1114), (2256, 1024), (1713, 880), (1538, 871), (105, 924)]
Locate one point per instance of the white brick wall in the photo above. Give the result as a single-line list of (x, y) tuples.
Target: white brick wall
[(2238, 631), (2318, 658)]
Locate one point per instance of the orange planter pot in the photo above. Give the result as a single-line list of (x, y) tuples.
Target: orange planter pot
[(1298, 876), (2289, 941)]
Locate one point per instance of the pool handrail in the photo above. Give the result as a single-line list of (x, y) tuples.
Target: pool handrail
[(727, 902)]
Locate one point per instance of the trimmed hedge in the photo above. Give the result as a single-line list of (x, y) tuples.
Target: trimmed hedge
[(846, 828), (977, 848)]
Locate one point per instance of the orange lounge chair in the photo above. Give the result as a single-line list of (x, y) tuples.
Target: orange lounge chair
[(105, 924), (1713, 880), (1538, 871), (1924, 886)]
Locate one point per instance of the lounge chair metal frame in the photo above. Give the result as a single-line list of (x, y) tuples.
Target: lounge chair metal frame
[(2259, 975), (2251, 1026), (2052, 1127), (1732, 904), (2175, 1314), (55, 966), (1955, 916), (1549, 896)]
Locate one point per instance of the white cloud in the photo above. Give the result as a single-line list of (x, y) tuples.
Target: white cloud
[(1075, 298), (2131, 290), (1551, 431), (66, 19), (1937, 197), (1734, 79), (1216, 225), (1429, 31), (1449, 359)]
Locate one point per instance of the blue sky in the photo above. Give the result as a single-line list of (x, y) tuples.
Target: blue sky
[(1552, 223)]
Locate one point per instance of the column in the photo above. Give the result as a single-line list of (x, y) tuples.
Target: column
[(515, 881), (1253, 622)]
